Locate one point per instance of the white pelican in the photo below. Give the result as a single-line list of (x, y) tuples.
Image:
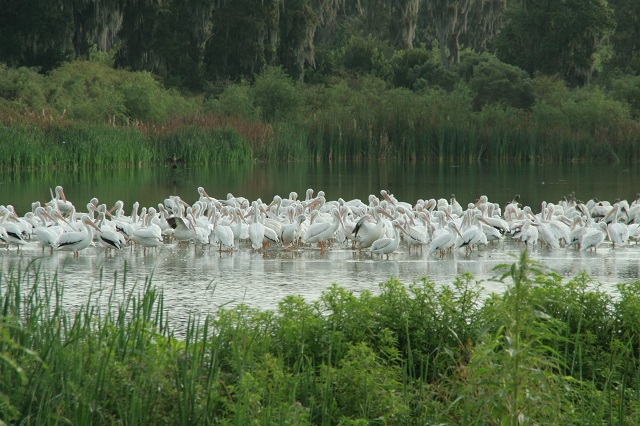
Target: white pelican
[(594, 237), (417, 236), (386, 246), (46, 235), (546, 235), (149, 235), (322, 231), (528, 234), (60, 202), (222, 233), (473, 234), (618, 232), (456, 208), (181, 229), (256, 228), (13, 234), (291, 231), (77, 240), (107, 235), (445, 241), (365, 233)]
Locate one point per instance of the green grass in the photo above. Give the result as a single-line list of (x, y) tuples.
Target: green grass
[(547, 351)]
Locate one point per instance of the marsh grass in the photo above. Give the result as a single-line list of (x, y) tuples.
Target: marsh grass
[(77, 146), (545, 351)]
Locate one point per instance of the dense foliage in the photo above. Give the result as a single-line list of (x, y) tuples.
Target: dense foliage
[(547, 351), (528, 80)]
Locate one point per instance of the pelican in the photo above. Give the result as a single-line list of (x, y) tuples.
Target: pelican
[(386, 246), (528, 234), (291, 231), (618, 232), (594, 237), (181, 229), (256, 228), (473, 234), (366, 234), (108, 236), (321, 232), (222, 233), (46, 235), (148, 235), (445, 241), (12, 234), (77, 240), (416, 235), (60, 202)]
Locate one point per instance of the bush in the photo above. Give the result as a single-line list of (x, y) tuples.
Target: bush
[(276, 95), (495, 82), (366, 55), (627, 89), (235, 100)]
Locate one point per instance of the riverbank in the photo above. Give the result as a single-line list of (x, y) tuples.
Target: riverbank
[(547, 351)]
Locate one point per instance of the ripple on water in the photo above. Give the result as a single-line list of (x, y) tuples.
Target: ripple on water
[(200, 282)]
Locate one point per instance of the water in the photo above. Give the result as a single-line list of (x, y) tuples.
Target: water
[(408, 182), (201, 281)]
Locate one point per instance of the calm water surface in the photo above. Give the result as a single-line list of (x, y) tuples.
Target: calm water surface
[(201, 281)]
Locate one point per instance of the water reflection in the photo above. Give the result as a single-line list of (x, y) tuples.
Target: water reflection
[(409, 182)]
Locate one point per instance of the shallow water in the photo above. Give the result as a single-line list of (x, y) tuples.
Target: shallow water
[(201, 281)]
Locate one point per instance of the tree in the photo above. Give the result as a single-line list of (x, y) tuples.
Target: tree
[(472, 21), (626, 39), (35, 33), (555, 36)]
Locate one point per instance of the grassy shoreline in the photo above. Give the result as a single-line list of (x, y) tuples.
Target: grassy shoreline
[(547, 351)]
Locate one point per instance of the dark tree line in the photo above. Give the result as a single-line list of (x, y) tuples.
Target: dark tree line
[(189, 42)]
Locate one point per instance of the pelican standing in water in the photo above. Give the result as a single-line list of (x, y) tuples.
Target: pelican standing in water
[(77, 240), (323, 231), (386, 246), (149, 235), (12, 234)]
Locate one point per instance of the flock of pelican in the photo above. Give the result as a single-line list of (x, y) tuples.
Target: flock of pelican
[(380, 226)]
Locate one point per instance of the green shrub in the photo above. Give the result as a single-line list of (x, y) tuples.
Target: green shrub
[(275, 95)]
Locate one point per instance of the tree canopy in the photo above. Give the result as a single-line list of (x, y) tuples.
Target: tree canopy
[(190, 43)]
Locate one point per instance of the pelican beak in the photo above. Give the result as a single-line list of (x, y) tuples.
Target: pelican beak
[(387, 197), (610, 214), (63, 196), (457, 229), (384, 212)]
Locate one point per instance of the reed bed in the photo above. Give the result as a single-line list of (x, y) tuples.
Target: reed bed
[(65, 146), (438, 126), (547, 351)]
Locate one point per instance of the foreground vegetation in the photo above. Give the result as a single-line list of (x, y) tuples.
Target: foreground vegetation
[(544, 352)]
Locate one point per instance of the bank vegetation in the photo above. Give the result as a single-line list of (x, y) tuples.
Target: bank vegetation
[(546, 351)]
